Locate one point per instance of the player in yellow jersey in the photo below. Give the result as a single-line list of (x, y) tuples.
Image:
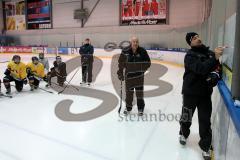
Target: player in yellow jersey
[(16, 71), (35, 73)]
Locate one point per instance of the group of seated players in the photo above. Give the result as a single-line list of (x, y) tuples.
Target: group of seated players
[(32, 73)]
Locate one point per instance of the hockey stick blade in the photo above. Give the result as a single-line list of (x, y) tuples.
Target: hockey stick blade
[(46, 90), (4, 95)]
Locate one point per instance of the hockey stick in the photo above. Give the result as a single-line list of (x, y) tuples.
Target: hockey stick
[(39, 79), (120, 107), (4, 61), (4, 95), (41, 88), (73, 87), (38, 88), (46, 90), (69, 81), (57, 74), (17, 79)]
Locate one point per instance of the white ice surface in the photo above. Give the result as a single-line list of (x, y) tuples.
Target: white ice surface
[(30, 130)]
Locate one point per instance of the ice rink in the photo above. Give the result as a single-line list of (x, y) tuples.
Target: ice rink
[(32, 129)]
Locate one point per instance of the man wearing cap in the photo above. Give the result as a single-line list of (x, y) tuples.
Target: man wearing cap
[(201, 75)]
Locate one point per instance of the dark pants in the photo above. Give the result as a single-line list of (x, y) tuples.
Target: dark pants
[(60, 78), (137, 85), (204, 106), (18, 83), (87, 67), (34, 82)]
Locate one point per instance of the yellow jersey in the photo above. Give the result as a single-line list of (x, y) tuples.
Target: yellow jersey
[(37, 70), (18, 71)]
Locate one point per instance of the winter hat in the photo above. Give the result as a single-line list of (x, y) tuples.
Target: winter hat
[(189, 37)]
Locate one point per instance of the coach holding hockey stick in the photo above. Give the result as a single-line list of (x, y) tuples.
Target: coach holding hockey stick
[(133, 63)]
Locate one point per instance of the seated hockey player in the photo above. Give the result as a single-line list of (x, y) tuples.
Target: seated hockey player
[(16, 71), (58, 70), (35, 73), (44, 61)]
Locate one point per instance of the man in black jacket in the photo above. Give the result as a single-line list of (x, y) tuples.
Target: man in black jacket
[(134, 61), (86, 52), (201, 75), (58, 70)]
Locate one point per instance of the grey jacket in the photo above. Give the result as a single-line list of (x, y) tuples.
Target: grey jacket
[(45, 63)]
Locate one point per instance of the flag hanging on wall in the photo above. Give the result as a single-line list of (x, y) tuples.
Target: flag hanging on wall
[(143, 12)]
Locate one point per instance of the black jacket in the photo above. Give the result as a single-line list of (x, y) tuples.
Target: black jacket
[(86, 50), (199, 63), (134, 65), (61, 68)]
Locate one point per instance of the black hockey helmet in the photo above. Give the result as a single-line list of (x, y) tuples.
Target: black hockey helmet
[(35, 58), (16, 57), (41, 55)]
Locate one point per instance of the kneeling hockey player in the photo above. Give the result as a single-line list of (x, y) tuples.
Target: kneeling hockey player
[(35, 73), (16, 71)]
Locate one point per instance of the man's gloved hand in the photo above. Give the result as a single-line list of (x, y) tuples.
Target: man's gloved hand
[(213, 79), (25, 81), (121, 77), (45, 78), (7, 72)]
